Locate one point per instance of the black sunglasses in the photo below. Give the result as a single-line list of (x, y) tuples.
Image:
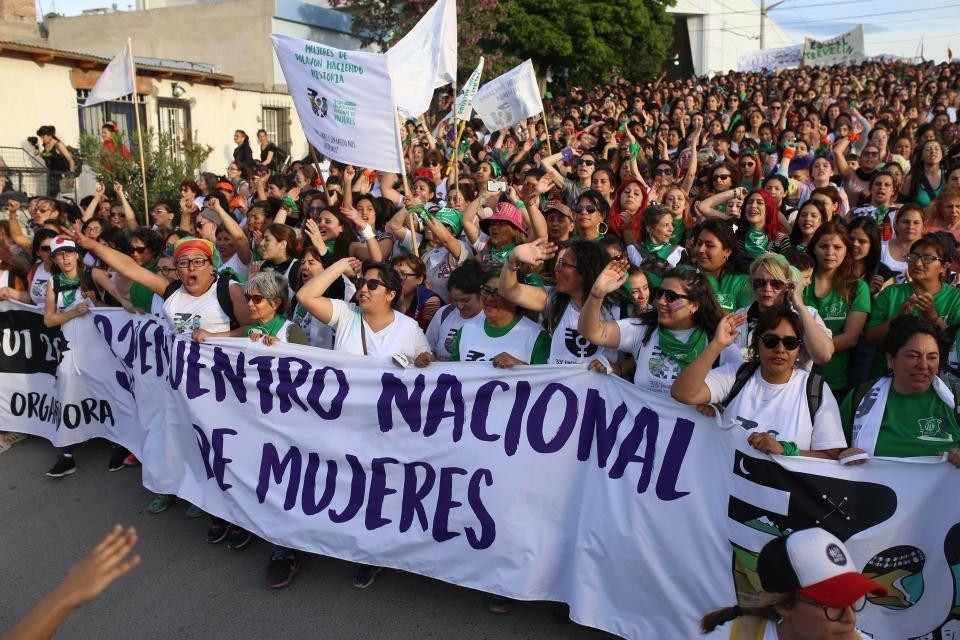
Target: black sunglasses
[(671, 296), (722, 176), (772, 341), (589, 208), (666, 171), (372, 284), (776, 285), (255, 298), (587, 162)]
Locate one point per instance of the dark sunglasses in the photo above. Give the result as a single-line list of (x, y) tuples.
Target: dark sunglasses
[(255, 298), (671, 296), (667, 171), (776, 285), (138, 250), (587, 162), (372, 284), (589, 208), (722, 176), (433, 163), (772, 341)]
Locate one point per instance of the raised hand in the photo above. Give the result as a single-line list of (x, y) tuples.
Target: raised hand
[(727, 329), (107, 562), (610, 279), (533, 253)]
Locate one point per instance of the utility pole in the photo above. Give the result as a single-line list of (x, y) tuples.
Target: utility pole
[(764, 8)]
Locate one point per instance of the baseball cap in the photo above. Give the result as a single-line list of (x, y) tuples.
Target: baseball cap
[(816, 564), (61, 243), (558, 205)]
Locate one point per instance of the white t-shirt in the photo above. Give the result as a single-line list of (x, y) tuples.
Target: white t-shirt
[(476, 346), (567, 346), (889, 260), (780, 409), (403, 335), (443, 329), (656, 371), (440, 264), (318, 334), (38, 285), (187, 313), (803, 360), (237, 266)]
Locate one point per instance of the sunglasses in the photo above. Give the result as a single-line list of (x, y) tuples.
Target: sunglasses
[(722, 176), (663, 172), (670, 296), (255, 298), (138, 250), (586, 208), (776, 285), (772, 341), (371, 284), (587, 162), (433, 163)]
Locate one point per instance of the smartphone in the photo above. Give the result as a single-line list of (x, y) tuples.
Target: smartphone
[(567, 155), (496, 186)]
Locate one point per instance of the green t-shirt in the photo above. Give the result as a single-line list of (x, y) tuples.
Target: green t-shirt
[(140, 296), (541, 347), (732, 290), (834, 310), (919, 425), (678, 230)]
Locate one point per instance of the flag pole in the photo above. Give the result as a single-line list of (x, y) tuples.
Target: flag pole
[(406, 190), (546, 129), (136, 115)]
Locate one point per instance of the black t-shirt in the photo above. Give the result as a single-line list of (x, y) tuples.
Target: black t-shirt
[(265, 151)]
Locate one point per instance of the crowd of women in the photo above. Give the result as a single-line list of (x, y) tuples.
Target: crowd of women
[(778, 250)]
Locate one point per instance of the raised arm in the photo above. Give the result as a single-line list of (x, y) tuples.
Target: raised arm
[(239, 238), (120, 262), (130, 218), (591, 326), (839, 157), (91, 209), (525, 295), (311, 294), (690, 387), (557, 174), (19, 238)]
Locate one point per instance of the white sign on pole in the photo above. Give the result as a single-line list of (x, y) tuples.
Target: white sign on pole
[(464, 104), (779, 58), (425, 59), (508, 99), (115, 82), (847, 48), (344, 102)]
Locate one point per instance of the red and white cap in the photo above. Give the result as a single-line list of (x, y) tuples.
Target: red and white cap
[(62, 243), (814, 563)]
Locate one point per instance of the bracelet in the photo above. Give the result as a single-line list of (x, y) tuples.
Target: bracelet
[(367, 233), (520, 204), (512, 266), (789, 448)]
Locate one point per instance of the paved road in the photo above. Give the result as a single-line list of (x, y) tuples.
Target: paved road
[(186, 588)]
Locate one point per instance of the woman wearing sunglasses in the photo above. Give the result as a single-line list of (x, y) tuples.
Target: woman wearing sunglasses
[(775, 282), (716, 254), (773, 403), (145, 246), (590, 216), (751, 170), (664, 341)]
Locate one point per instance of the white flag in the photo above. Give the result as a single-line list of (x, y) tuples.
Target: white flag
[(344, 102), (115, 82), (425, 59), (508, 99), (464, 105)]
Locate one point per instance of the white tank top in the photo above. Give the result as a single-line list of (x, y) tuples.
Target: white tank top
[(477, 346), (38, 285), (187, 313)]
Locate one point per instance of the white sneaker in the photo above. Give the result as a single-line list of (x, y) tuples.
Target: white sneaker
[(7, 440)]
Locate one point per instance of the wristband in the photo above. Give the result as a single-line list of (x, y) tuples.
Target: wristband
[(789, 448), (513, 266), (367, 233), (520, 204)]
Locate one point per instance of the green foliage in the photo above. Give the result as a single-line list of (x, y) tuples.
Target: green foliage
[(168, 163)]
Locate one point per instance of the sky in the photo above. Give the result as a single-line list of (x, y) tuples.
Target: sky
[(891, 26)]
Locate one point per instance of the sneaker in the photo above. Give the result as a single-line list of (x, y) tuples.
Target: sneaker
[(161, 503), (499, 604), (116, 459), (365, 576), (281, 571), (131, 461), (64, 467), (238, 538), (217, 532), (193, 511), (7, 440)]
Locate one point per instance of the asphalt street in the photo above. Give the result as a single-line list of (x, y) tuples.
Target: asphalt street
[(186, 588)]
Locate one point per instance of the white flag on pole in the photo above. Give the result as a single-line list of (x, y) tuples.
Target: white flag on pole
[(464, 104), (508, 99), (425, 59), (344, 102), (115, 82)]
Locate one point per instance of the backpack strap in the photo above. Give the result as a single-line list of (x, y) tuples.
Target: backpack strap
[(446, 312), (814, 394), (744, 373), (224, 299), (171, 289)]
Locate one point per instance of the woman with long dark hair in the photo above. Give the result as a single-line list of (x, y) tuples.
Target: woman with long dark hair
[(243, 153), (716, 254)]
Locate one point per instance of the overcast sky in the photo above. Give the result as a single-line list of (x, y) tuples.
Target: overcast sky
[(891, 26)]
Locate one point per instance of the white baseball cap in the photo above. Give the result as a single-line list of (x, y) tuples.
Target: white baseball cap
[(61, 243)]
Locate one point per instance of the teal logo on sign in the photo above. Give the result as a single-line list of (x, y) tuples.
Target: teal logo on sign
[(345, 112)]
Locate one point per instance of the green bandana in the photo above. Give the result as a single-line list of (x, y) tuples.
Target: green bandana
[(270, 328), (331, 245), (73, 287), (756, 242), (678, 230), (659, 250), (501, 255), (880, 214), (682, 352)]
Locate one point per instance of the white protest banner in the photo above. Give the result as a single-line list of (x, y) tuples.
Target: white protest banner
[(464, 105), (115, 82), (547, 483), (425, 59), (344, 102), (847, 48), (779, 58), (508, 99)]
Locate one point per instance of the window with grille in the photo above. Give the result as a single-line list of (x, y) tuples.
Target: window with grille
[(119, 111), (173, 119), (276, 122)]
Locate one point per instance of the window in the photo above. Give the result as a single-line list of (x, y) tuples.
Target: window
[(119, 111), (276, 122), (173, 119)]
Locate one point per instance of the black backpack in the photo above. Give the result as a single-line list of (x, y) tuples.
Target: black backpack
[(746, 371)]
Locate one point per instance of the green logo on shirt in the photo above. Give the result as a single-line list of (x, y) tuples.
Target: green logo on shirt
[(931, 430)]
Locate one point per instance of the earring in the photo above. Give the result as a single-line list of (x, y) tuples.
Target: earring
[(602, 228)]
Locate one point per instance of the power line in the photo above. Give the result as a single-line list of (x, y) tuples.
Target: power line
[(927, 37)]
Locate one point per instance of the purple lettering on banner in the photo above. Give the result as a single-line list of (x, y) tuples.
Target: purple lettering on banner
[(128, 329), (177, 365), (673, 460), (488, 528), (223, 371), (308, 503), (447, 385), (217, 467), (414, 493), (511, 436), (264, 365), (372, 518), (103, 324), (144, 343), (535, 420), (646, 426), (595, 422), (270, 464), (194, 367), (287, 385), (481, 409), (446, 504), (358, 487), (317, 388), (393, 390)]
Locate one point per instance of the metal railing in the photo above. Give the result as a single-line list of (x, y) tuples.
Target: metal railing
[(24, 174)]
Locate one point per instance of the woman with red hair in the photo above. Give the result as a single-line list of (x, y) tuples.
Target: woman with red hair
[(629, 201), (759, 230)]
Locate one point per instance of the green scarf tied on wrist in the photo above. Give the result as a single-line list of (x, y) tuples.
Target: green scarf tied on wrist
[(270, 328), (682, 352)]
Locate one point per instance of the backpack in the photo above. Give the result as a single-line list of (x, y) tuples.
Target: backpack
[(747, 369), (223, 296)]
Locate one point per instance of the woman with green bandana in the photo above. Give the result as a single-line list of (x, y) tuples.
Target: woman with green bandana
[(657, 238), (759, 229), (882, 192), (504, 230), (842, 300), (716, 254), (442, 248), (665, 340)]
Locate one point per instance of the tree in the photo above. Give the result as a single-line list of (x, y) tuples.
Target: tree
[(586, 40)]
